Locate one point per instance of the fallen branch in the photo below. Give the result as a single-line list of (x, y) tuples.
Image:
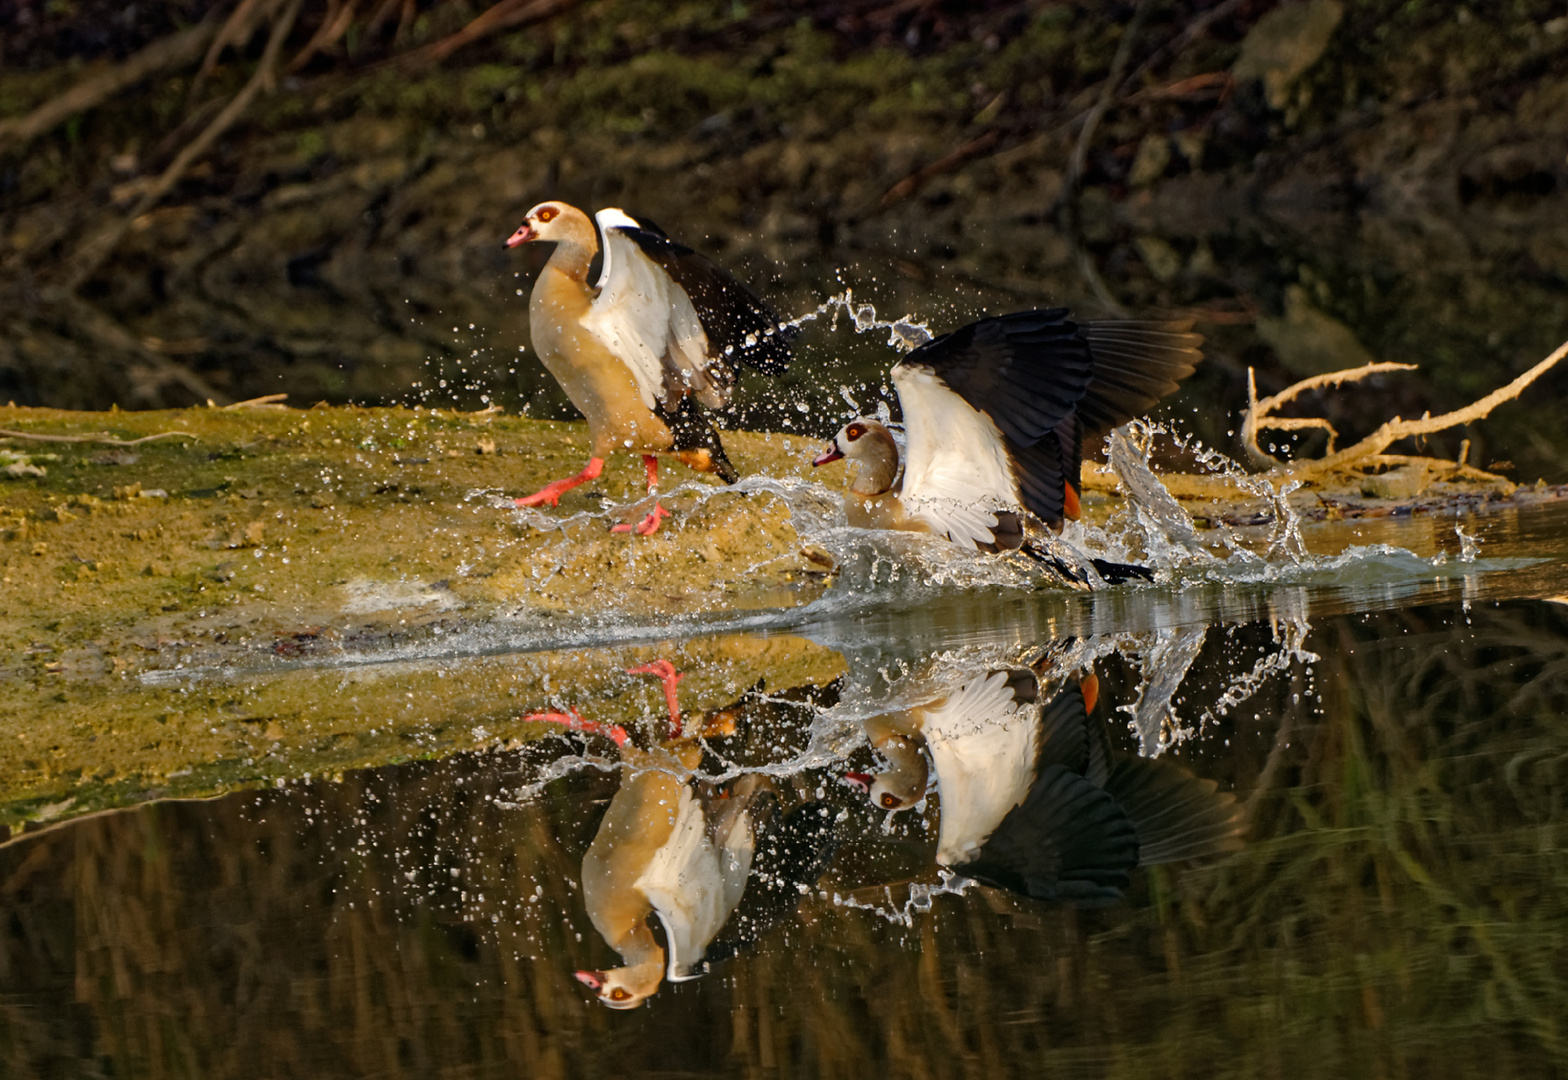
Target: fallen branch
[(266, 401), (92, 254), (915, 181), (497, 17), (176, 50), (102, 438), (1369, 451), (1257, 416)]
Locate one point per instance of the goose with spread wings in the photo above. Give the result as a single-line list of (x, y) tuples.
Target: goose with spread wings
[(995, 416), (642, 350)]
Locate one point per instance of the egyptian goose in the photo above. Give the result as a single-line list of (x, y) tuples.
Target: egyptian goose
[(640, 349), (667, 847), (995, 414), (1032, 798)]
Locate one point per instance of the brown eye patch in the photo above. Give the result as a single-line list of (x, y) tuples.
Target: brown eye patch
[(548, 213), (889, 800), (854, 431)]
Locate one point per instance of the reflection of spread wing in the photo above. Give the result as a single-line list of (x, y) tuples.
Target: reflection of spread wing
[(1068, 841), (648, 321), (1177, 815), (984, 743), (791, 856), (693, 885)]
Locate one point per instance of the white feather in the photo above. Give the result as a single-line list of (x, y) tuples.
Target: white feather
[(983, 745), (956, 469), (694, 886), (646, 320)]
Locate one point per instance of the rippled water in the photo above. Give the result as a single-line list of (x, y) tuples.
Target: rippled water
[(1301, 819)]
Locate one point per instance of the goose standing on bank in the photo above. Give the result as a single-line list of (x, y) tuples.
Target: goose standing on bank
[(639, 350), (995, 414), (1033, 799)]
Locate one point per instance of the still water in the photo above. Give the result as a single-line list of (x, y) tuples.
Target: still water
[(1308, 822)]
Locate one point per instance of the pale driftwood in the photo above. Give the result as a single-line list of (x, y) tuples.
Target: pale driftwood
[(266, 401), (1369, 451), (1257, 416), (102, 438)]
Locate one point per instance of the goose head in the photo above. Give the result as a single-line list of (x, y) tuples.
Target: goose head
[(624, 987), (903, 783), (558, 222), (871, 452)]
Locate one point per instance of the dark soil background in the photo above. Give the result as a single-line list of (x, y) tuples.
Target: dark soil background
[(1319, 183)]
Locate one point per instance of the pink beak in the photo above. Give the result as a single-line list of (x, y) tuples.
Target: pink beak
[(832, 453), (525, 232), (593, 980), (859, 780)]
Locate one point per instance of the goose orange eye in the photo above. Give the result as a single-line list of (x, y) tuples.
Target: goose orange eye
[(854, 431), (547, 214), (889, 801), (619, 995)]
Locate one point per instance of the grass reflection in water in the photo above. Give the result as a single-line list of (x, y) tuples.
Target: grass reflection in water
[(1398, 908)]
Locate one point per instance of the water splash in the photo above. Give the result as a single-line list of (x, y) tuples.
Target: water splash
[(904, 333)]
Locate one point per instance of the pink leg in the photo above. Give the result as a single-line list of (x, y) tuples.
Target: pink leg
[(574, 720), (551, 493), (650, 524), (668, 675)]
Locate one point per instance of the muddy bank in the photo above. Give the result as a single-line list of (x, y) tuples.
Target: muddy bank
[(1320, 183)]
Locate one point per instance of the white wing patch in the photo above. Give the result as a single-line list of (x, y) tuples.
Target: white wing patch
[(983, 745), (646, 320), (694, 886), (956, 469)]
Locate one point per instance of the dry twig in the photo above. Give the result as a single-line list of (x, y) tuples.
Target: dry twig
[(102, 438), (497, 17)]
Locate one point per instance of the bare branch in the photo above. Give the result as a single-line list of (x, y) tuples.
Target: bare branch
[(173, 51), (92, 254), (1369, 451), (497, 17)]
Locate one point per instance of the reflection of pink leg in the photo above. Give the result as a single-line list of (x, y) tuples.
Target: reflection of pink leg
[(551, 493), (650, 524), (574, 720), (668, 675)]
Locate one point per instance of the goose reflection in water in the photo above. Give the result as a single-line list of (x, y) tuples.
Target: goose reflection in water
[(1031, 797), (684, 851)]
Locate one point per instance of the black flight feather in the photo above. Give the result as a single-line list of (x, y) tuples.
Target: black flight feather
[(1026, 370), (1136, 363), (1177, 815)]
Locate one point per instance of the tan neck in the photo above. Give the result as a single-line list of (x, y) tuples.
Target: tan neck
[(876, 463)]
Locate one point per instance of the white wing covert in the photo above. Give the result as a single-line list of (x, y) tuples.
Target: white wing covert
[(983, 744), (646, 320), (956, 469)]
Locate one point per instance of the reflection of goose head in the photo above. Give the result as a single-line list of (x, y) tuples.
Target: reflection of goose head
[(903, 783), (626, 987), (870, 449)]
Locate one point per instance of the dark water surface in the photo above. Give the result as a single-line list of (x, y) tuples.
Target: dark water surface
[(1350, 859)]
